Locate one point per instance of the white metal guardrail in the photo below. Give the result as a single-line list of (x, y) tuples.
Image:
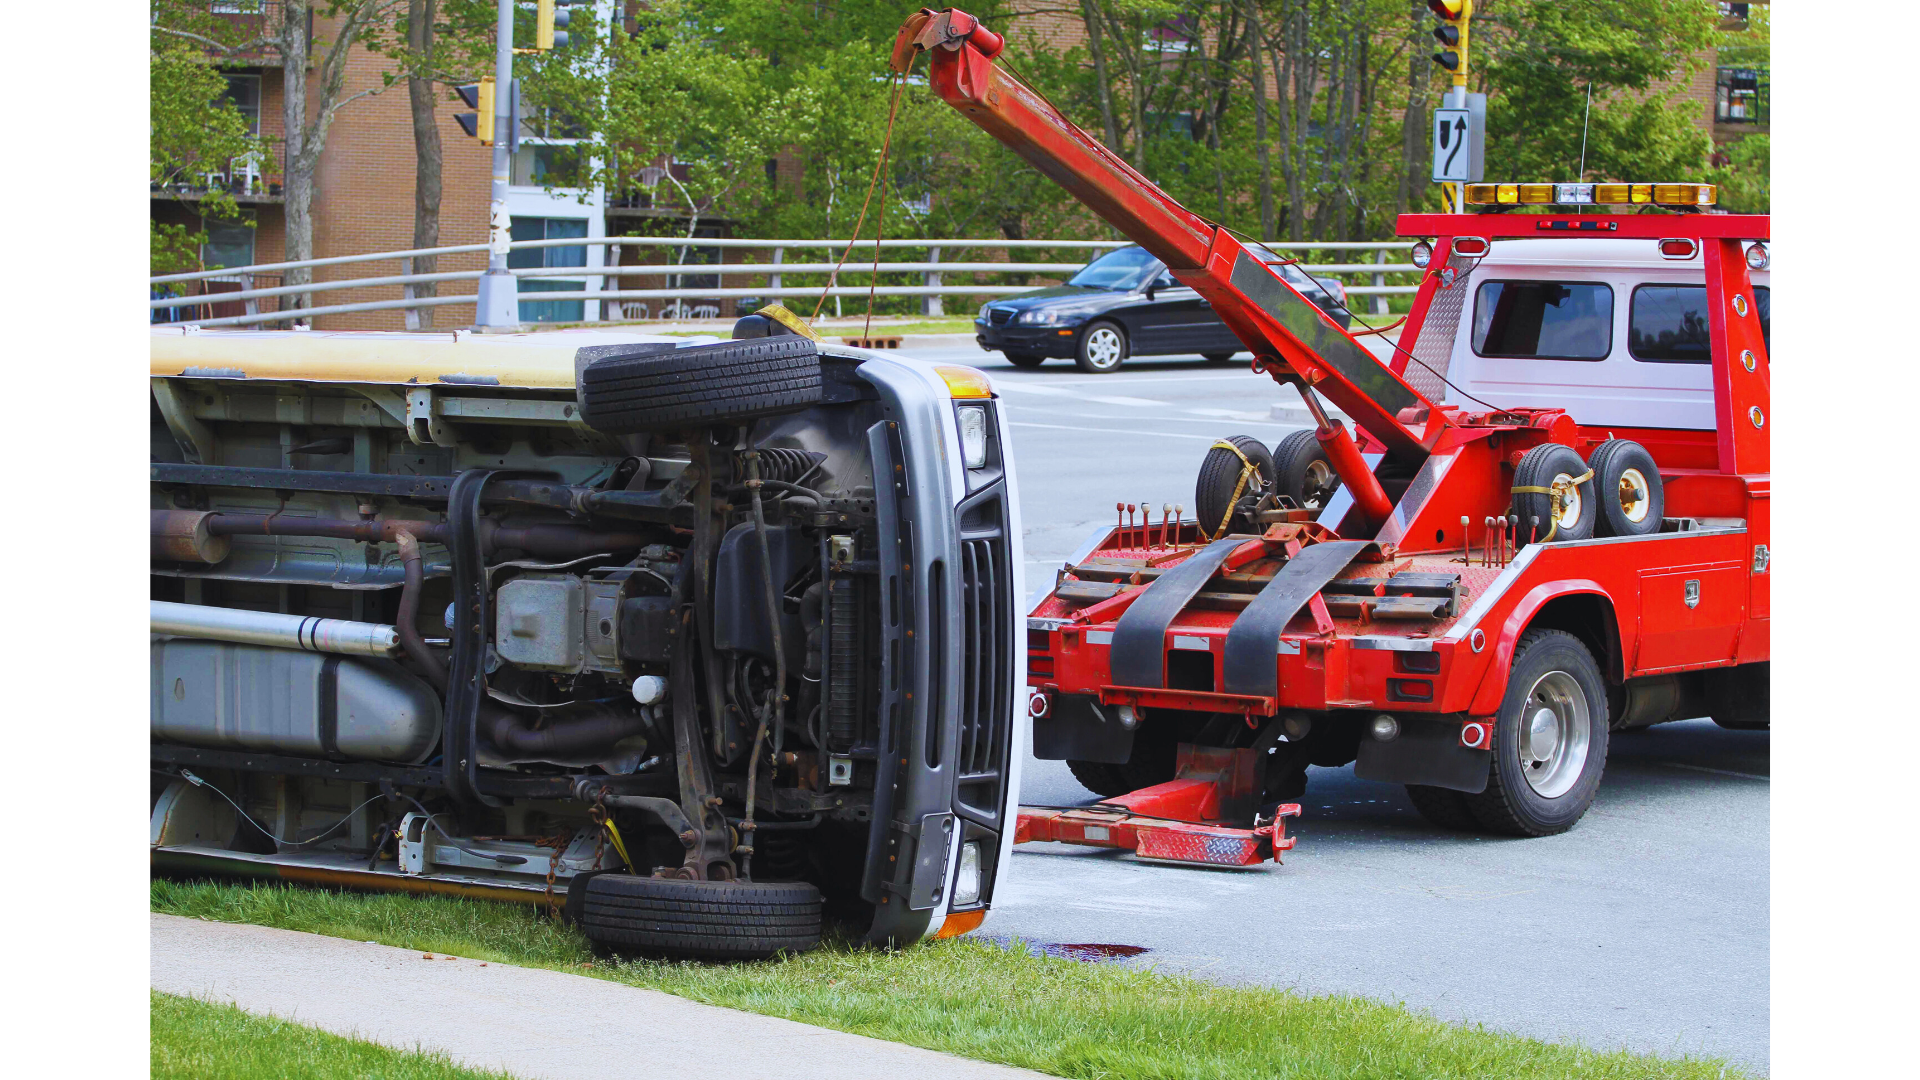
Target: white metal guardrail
[(931, 269)]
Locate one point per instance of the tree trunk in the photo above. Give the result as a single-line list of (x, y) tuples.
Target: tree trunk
[(1097, 50), (426, 155), (1257, 45), (293, 45)]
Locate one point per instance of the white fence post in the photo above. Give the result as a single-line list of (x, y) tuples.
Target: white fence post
[(1379, 280), (931, 305)]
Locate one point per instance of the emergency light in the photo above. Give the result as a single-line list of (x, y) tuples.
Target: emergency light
[(1591, 194)]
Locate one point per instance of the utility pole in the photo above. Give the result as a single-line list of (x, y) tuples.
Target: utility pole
[(498, 305)]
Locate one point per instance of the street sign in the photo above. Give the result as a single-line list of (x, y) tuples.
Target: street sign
[(1458, 147)]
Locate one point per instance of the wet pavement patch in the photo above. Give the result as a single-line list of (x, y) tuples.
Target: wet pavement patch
[(1090, 953)]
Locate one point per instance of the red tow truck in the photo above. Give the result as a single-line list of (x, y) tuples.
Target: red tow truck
[(1551, 525)]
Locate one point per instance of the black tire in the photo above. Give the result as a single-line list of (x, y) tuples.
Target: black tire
[(1025, 360), (1302, 471), (677, 389), (1443, 807), (705, 920), (1220, 476), (1627, 482), (1098, 777), (1540, 467), (1095, 351), (1216, 357), (1512, 803)]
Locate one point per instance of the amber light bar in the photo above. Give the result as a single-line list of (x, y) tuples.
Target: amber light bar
[(1591, 194)]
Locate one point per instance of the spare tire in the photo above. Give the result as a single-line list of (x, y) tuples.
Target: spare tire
[(1632, 500), (705, 920), (644, 388), (1220, 479), (1304, 473), (1541, 469)]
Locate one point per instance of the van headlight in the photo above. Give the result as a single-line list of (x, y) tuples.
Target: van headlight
[(973, 435), (966, 883)]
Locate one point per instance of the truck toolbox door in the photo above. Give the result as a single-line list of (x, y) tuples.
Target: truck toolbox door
[(1690, 617)]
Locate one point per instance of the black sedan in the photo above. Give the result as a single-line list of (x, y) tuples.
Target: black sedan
[(1126, 303)]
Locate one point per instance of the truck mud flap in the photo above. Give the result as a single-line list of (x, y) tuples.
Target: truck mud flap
[(1139, 650), (1425, 752), (1078, 729), (1252, 654)]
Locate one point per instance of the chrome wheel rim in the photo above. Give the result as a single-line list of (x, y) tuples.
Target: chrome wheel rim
[(1554, 734), (1318, 486), (1635, 496), (1569, 500), (1103, 347)]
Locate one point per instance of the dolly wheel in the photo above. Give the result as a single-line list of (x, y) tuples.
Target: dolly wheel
[(1303, 472), (1632, 500), (1221, 476), (1549, 741), (1546, 477)]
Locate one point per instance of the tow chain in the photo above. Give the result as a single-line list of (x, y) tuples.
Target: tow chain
[(559, 844), (1247, 470)]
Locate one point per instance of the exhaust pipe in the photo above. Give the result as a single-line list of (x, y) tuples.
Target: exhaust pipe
[(305, 633)]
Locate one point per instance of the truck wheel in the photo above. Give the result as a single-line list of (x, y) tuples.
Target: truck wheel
[(1443, 807), (1025, 359), (1302, 471), (676, 389), (1627, 484), (1220, 471), (1549, 741), (1098, 777), (1541, 468), (706, 920), (1102, 348)]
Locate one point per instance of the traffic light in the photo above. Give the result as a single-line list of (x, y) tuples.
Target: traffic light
[(549, 14), (479, 123), (1452, 35)]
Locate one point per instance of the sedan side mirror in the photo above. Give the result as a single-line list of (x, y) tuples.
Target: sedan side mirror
[(1152, 287)]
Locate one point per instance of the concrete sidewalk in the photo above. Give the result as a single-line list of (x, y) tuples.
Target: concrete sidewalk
[(530, 1022)]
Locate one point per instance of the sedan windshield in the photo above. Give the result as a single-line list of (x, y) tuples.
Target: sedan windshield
[(1125, 269)]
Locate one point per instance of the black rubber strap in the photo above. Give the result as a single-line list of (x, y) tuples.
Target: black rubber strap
[(1139, 656), (1252, 658), (466, 669)]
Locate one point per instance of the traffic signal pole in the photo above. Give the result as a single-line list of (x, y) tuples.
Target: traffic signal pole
[(498, 304)]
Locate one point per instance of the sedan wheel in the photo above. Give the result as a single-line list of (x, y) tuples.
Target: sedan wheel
[(1102, 348)]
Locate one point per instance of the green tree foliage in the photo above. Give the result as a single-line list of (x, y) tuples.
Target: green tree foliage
[(194, 129)]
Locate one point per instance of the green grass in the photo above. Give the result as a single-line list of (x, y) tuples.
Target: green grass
[(200, 1040), (974, 999)]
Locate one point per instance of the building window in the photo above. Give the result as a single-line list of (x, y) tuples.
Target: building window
[(243, 93), (229, 243), (1740, 95), (532, 228), (1543, 320)]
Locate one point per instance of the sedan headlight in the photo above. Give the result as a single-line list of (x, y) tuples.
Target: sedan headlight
[(973, 435), (982, 317), (966, 883)]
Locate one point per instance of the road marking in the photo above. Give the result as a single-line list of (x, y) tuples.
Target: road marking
[(1717, 772), (1055, 391), (998, 378), (1238, 418)]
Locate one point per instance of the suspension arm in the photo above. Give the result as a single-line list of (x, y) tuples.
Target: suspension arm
[(1294, 340)]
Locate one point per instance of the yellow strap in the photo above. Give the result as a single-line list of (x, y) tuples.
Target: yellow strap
[(779, 313), (614, 831), (1246, 469)]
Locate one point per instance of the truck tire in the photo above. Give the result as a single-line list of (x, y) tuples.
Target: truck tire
[(1443, 807), (1549, 740), (1540, 468), (1102, 348), (1302, 471), (722, 383), (1627, 484), (1098, 777), (704, 920), (1220, 475)]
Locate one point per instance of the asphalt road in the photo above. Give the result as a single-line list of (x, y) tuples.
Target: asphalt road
[(1644, 928)]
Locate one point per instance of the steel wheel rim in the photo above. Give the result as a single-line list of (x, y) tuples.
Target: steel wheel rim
[(1319, 485), (1103, 347), (1569, 500), (1555, 734), (1635, 496)]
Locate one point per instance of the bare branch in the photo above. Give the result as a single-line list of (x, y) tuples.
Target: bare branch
[(226, 50)]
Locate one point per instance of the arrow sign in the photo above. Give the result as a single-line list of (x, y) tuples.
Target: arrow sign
[(1456, 133)]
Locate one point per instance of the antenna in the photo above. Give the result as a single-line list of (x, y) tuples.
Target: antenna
[(1583, 135)]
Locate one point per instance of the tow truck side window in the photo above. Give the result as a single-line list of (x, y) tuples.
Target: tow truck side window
[(1543, 320), (1667, 324)]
